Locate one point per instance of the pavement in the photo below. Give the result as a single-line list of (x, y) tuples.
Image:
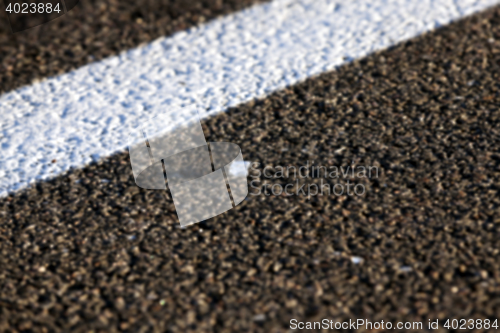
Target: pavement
[(95, 30), (90, 251)]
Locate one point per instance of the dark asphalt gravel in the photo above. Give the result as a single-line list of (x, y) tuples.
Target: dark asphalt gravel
[(90, 251), (96, 29)]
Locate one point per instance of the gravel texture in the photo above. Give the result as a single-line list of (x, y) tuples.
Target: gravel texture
[(90, 251), (94, 30), (87, 114)]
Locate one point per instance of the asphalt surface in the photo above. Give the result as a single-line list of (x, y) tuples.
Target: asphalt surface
[(90, 251), (94, 30)]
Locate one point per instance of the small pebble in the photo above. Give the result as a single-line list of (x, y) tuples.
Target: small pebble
[(356, 260)]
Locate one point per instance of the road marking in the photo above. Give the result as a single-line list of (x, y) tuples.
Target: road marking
[(86, 114)]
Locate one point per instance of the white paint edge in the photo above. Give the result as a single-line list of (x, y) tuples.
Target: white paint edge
[(85, 115)]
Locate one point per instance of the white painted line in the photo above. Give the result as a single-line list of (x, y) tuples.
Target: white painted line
[(83, 115)]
